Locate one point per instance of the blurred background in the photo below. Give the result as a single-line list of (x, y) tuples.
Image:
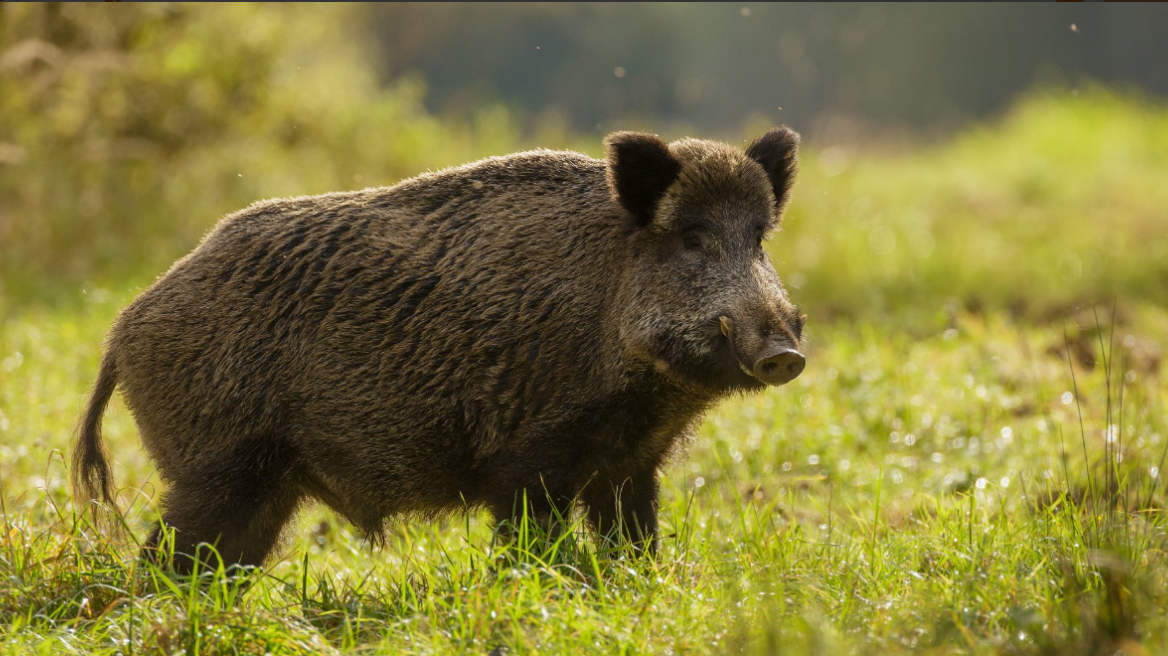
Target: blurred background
[(1007, 155), (982, 199), (718, 67)]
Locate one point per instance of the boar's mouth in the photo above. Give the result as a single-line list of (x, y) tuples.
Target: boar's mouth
[(775, 363), (727, 326)]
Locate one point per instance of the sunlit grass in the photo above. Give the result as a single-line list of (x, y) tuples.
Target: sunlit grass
[(937, 481), (907, 492)]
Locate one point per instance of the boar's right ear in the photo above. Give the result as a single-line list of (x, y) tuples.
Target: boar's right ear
[(777, 153), (640, 169)]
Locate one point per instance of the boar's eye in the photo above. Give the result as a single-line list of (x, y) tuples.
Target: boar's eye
[(692, 240)]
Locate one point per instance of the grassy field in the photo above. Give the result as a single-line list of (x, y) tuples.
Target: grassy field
[(969, 465)]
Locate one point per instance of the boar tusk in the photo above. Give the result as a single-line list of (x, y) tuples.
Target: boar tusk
[(727, 326)]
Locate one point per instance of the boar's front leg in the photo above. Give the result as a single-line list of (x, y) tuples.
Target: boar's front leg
[(625, 508)]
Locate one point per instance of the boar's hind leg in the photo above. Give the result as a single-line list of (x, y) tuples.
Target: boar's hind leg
[(238, 505), (625, 509)]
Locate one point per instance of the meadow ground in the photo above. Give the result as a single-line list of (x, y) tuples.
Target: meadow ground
[(969, 465)]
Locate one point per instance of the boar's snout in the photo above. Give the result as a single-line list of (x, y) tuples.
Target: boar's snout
[(778, 363), (779, 366)]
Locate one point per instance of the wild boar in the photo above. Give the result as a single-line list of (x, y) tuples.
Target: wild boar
[(542, 326)]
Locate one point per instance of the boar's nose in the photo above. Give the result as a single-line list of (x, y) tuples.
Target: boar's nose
[(779, 366)]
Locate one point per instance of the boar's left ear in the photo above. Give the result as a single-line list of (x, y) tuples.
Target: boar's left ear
[(640, 169), (777, 152)]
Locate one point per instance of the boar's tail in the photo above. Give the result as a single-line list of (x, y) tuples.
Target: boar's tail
[(91, 475)]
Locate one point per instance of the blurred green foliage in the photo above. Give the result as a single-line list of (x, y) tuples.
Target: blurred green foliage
[(126, 132), (1060, 204)]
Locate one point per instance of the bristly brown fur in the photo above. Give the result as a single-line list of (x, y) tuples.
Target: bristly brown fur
[(462, 338)]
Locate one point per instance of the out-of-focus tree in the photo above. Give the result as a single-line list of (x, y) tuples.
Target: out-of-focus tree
[(587, 61), (126, 131), (718, 66)]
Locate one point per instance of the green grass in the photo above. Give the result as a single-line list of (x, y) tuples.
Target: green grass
[(969, 465), (907, 493)]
